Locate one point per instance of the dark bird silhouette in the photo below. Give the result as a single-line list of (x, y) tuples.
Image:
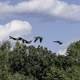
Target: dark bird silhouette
[(10, 37), (28, 42), (23, 40), (59, 42), (20, 38), (38, 38)]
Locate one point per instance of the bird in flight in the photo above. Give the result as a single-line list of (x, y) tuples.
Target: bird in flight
[(24, 41), (10, 37), (20, 39), (59, 42), (38, 38), (28, 42)]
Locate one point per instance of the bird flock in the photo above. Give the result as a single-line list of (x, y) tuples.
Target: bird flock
[(37, 38)]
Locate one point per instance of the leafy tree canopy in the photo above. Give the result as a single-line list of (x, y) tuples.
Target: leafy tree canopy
[(23, 62)]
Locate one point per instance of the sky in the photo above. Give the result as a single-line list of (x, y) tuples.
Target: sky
[(51, 19)]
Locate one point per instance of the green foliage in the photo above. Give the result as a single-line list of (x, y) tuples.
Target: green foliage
[(23, 62)]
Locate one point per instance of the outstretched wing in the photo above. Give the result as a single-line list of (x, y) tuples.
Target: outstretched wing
[(36, 38), (41, 39), (12, 38), (28, 42), (60, 43)]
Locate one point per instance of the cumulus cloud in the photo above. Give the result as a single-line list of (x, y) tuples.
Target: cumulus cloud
[(15, 28), (50, 7)]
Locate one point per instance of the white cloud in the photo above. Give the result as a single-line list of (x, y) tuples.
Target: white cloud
[(15, 28), (50, 7), (62, 52)]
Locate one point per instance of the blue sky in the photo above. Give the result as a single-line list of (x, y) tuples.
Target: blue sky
[(51, 27), (73, 1)]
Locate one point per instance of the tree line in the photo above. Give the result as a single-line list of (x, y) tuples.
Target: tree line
[(23, 62)]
